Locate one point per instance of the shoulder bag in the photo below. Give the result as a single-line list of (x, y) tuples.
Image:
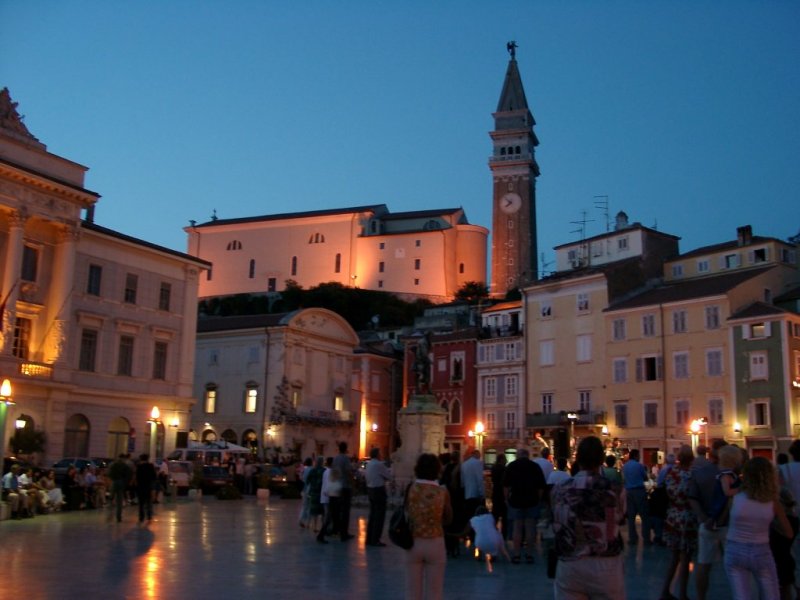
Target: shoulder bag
[(400, 525)]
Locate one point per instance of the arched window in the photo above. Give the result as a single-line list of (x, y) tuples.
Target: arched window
[(251, 397), (316, 238), (234, 245), (210, 400), (432, 224), (229, 435), (76, 436), (252, 268), (461, 268), (209, 435), (517, 150), (294, 265), (502, 151), (337, 267), (250, 440), (455, 412)]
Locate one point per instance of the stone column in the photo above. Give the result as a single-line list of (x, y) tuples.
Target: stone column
[(59, 299), (421, 424), (11, 275)]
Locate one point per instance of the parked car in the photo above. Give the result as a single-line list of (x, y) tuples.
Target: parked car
[(215, 478), (62, 466), (277, 477), (180, 471)]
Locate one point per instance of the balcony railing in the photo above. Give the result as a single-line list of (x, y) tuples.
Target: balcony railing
[(37, 370)]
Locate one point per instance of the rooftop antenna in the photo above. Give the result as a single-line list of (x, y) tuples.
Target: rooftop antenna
[(214, 215), (544, 264), (601, 202), (581, 223)]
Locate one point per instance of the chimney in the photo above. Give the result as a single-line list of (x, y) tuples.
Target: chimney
[(744, 235), (90, 214), (621, 222)]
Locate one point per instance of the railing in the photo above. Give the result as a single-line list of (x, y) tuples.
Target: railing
[(38, 370)]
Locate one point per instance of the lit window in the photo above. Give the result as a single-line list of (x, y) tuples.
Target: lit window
[(251, 399), (211, 399)]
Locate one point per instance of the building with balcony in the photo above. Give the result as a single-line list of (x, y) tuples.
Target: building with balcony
[(501, 377), (97, 327)]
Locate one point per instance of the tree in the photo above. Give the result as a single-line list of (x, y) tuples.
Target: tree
[(473, 292), (27, 441)]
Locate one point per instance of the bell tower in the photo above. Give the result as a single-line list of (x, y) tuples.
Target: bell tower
[(514, 173)]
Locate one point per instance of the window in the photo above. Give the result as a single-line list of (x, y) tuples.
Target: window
[(381, 267), (164, 296), (651, 414), (648, 368), (511, 420), (272, 284), (585, 400), (620, 371), (756, 330), (88, 351), (788, 256), (622, 243), (759, 255), (416, 282), (160, 360), (251, 398), (712, 317), (677, 270), (680, 365), (418, 243), (457, 366), (618, 327), (461, 268), (417, 264), (621, 415), (491, 387), (210, 404), (584, 348), (796, 365), (715, 414), (30, 263), (714, 362), (251, 272), (234, 245), (93, 283), (380, 283), (702, 266), (546, 352), (758, 414), (381, 246), (131, 283), (547, 403), (294, 266), (125, 357), (582, 302), (337, 264), (454, 416), (338, 401), (678, 321), (681, 412), (511, 351), (648, 325), (22, 338), (545, 309), (490, 421), (213, 358), (730, 261), (511, 386), (758, 366)]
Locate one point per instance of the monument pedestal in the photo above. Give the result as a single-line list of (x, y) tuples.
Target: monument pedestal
[(421, 426)]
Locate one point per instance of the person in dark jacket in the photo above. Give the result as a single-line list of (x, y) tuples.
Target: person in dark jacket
[(145, 478)]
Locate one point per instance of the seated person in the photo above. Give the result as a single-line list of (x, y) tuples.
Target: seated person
[(47, 482), (12, 495), (37, 498)]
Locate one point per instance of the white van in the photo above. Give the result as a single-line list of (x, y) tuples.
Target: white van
[(209, 453)]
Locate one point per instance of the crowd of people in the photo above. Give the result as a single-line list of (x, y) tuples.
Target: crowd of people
[(30, 491)]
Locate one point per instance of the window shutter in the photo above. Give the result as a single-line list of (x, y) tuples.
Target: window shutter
[(767, 329), (751, 257), (659, 368), (745, 332), (638, 369)]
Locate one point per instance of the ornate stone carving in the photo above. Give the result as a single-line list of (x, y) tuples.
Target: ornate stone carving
[(11, 121)]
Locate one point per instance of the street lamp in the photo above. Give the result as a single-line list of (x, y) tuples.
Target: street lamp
[(572, 417), (478, 433), (694, 431), (5, 401), (155, 415)]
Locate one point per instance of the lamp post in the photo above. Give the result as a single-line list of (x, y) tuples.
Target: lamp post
[(5, 401), (155, 415), (694, 430), (572, 417), (478, 433)]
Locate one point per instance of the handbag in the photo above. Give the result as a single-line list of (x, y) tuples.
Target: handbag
[(400, 526)]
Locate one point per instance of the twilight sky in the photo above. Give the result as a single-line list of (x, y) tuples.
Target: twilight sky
[(686, 114)]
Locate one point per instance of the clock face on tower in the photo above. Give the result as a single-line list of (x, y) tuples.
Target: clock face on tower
[(510, 203)]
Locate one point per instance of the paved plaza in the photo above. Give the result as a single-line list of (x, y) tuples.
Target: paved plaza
[(247, 549)]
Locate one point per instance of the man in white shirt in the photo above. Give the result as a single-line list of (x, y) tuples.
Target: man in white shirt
[(544, 462), (474, 488), (377, 474)]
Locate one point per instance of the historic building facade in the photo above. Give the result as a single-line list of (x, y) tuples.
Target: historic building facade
[(420, 254), (97, 327)]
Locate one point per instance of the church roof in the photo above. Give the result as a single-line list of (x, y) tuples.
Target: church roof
[(513, 95), (380, 209)]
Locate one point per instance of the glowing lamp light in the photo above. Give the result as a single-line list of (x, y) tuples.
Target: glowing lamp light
[(175, 422), (604, 430), (155, 414), (20, 423), (737, 427), (374, 427), (479, 429), (5, 392)]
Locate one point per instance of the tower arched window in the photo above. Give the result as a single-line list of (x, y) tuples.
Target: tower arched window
[(234, 245), (252, 268), (455, 412), (502, 151), (294, 265), (432, 224), (337, 267), (461, 268)]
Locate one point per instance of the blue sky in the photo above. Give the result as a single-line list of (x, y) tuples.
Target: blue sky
[(685, 113)]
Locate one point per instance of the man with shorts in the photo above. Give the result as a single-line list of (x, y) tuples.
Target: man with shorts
[(524, 484), (701, 497)]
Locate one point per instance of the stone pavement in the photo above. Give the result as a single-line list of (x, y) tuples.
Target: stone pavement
[(249, 548)]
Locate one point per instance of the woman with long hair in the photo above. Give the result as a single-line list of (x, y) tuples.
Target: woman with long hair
[(747, 552), (680, 526)]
